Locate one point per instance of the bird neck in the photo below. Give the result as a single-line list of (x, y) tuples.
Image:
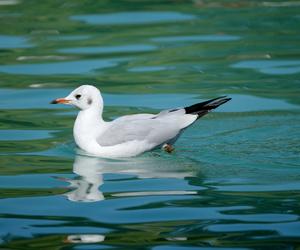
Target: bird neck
[(89, 123)]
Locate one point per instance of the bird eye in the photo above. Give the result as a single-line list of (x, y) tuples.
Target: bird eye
[(77, 97)]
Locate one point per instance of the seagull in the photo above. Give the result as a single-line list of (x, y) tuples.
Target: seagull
[(129, 135)]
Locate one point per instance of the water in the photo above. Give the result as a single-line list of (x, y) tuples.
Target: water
[(233, 180)]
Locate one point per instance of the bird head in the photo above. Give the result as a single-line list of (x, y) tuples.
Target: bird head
[(83, 97)]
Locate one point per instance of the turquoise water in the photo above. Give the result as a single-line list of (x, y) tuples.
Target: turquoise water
[(233, 180)]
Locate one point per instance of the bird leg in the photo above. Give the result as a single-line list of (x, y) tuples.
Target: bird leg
[(168, 148)]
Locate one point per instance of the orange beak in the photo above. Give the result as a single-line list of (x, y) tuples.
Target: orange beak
[(60, 101)]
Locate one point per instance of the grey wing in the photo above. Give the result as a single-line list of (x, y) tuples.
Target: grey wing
[(120, 131), (125, 128), (154, 131), (127, 118)]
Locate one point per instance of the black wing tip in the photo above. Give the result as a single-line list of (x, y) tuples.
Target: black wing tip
[(224, 97), (204, 107), (227, 99), (214, 103)]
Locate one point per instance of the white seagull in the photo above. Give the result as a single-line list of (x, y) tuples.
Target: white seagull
[(129, 135)]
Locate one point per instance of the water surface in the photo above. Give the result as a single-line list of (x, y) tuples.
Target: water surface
[(233, 180)]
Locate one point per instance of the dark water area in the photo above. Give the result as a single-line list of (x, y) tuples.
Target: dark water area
[(233, 181)]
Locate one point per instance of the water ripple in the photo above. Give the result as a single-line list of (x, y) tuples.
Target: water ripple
[(72, 67), (110, 49), (14, 42), (290, 229), (197, 38), (272, 67), (24, 135), (136, 18)]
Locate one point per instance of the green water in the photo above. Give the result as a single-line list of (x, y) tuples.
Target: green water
[(233, 180)]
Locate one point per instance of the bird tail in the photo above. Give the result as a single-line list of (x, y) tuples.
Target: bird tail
[(203, 108)]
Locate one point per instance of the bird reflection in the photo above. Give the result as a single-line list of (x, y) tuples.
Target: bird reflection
[(85, 238), (86, 187)]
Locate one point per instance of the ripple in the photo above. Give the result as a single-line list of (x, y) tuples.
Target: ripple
[(260, 188), (47, 57), (23, 99), (110, 49), (10, 15), (14, 42), (149, 68), (146, 193), (29, 181), (176, 247), (72, 67), (271, 67), (136, 18), (290, 229), (246, 103), (264, 217), (177, 238), (239, 103), (45, 32), (9, 2), (197, 38), (27, 227), (281, 4), (68, 37), (24, 135)]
